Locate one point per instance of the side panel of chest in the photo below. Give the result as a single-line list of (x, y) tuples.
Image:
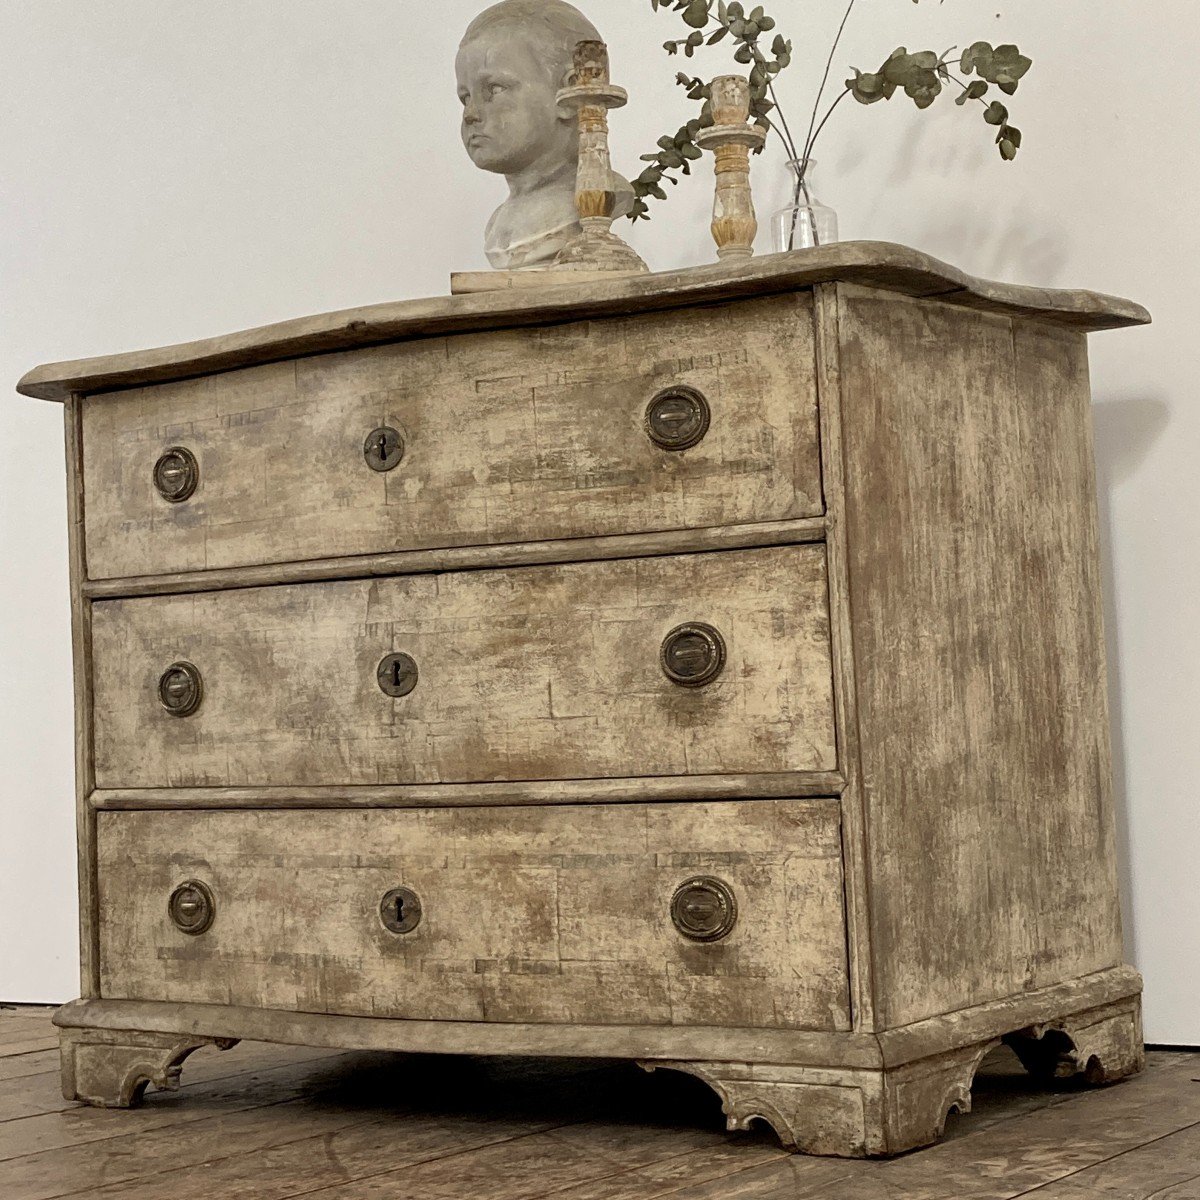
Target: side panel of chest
[(978, 645), (508, 436)]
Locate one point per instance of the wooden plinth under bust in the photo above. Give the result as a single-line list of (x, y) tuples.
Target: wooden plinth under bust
[(703, 669)]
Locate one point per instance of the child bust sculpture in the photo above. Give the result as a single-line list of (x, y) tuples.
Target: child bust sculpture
[(511, 63)]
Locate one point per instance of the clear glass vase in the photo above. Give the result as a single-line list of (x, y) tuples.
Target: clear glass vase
[(804, 221)]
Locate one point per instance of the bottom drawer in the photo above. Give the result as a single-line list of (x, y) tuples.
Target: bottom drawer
[(538, 914)]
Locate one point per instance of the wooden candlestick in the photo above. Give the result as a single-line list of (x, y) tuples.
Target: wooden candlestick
[(591, 93), (731, 139)]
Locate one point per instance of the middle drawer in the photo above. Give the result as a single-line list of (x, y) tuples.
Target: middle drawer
[(692, 664)]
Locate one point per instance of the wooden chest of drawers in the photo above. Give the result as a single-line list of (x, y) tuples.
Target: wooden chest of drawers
[(704, 669)]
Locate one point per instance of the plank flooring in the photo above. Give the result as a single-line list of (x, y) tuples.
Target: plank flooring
[(262, 1122)]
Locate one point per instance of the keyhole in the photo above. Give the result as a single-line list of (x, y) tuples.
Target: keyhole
[(383, 448), (400, 910), (397, 675)]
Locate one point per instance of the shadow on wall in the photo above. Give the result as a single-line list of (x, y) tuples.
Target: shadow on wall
[(1006, 241), (1125, 431)]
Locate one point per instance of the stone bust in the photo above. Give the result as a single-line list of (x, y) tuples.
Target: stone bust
[(511, 63)]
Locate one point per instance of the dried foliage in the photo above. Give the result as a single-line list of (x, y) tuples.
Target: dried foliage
[(922, 76)]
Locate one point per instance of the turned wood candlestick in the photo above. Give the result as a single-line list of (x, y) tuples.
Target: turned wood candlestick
[(731, 139), (591, 93)]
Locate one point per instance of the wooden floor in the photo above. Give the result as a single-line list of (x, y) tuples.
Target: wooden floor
[(265, 1122)]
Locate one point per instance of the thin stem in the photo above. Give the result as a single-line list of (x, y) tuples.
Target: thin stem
[(812, 141), (787, 149), (790, 141), (785, 136), (810, 138)]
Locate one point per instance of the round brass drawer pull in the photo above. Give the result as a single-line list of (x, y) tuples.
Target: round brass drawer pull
[(400, 910), (192, 907), (176, 474), (397, 675), (677, 418), (704, 909), (693, 655), (180, 689), (383, 448)]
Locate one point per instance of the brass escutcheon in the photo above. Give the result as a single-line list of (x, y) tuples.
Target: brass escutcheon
[(176, 474), (678, 417), (397, 675), (693, 655), (383, 448), (180, 689), (704, 909), (192, 907), (400, 910)]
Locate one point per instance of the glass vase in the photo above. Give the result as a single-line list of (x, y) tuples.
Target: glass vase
[(804, 221)]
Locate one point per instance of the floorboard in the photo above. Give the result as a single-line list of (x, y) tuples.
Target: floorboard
[(263, 1122)]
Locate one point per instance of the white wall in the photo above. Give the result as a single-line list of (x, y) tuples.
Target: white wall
[(170, 170)]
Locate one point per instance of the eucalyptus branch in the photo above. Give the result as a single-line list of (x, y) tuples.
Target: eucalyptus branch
[(711, 22), (921, 75)]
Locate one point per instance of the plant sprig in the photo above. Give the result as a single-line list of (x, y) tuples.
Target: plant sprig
[(922, 75), (677, 151)]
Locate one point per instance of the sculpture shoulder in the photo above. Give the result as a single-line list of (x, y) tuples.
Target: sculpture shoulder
[(529, 231)]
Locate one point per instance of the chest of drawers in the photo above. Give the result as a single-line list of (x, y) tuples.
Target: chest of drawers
[(703, 669)]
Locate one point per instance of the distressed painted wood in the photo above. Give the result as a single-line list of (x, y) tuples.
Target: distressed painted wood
[(869, 1113), (480, 795), (372, 1124), (81, 656), (1045, 1008), (731, 138), (533, 914), (114, 1071), (536, 673), (903, 769), (896, 269), (509, 554), (842, 643), (975, 612), (828, 1094), (509, 436)]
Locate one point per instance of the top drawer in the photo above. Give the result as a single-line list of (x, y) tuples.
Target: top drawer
[(510, 435)]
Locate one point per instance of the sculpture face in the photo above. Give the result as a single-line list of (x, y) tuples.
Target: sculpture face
[(510, 118), (514, 58)]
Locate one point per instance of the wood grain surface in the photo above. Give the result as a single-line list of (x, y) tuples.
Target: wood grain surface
[(971, 532), (903, 770), (274, 1122), (533, 673), (84, 710), (804, 530), (897, 269), (509, 436), (1105, 993), (531, 914)]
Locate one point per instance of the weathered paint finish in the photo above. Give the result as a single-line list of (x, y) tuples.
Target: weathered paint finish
[(971, 531), (903, 771), (535, 673), (510, 436), (896, 269), (528, 914)]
